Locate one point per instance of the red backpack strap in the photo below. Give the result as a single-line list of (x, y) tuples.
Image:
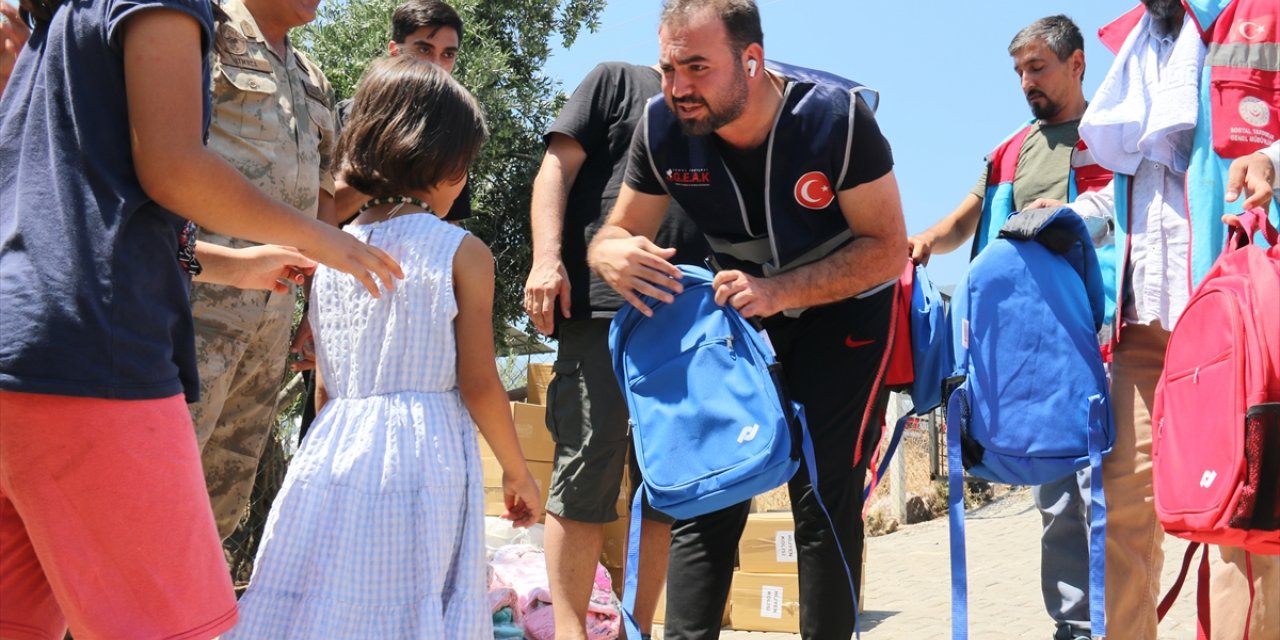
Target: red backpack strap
[(901, 370), (1169, 598), (886, 363), (1202, 598), (1251, 222), (1248, 573)]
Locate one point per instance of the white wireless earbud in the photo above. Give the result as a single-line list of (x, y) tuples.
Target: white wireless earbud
[(751, 68)]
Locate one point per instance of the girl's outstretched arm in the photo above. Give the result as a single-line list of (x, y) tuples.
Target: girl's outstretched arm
[(478, 380), (267, 267), (165, 92)]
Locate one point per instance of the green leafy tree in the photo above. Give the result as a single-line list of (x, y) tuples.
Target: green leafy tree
[(505, 46)]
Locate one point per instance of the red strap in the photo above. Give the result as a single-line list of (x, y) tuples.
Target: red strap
[(1251, 222), (1167, 602), (872, 466), (1248, 571), (1202, 597), (1004, 159), (880, 375)]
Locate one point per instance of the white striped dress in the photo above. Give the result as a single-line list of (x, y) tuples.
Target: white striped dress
[(378, 530)]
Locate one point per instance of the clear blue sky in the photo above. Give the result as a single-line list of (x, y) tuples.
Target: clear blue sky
[(948, 91)]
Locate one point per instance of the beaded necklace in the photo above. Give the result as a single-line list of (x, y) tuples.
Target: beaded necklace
[(399, 201)]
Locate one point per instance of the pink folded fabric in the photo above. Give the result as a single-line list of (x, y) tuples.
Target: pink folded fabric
[(523, 569)]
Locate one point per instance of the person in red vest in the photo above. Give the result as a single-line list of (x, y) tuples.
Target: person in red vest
[(1157, 123)]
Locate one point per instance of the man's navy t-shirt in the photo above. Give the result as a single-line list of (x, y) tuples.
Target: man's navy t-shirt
[(93, 301)]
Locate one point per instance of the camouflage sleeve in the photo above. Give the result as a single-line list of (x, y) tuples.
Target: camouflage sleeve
[(328, 143)]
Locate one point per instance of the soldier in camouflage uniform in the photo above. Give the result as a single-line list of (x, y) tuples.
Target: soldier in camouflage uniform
[(272, 120)]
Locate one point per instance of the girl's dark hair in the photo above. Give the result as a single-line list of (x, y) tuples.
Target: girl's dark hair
[(411, 128), (39, 11)]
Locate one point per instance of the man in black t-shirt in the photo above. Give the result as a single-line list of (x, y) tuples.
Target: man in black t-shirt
[(792, 183), (577, 185)]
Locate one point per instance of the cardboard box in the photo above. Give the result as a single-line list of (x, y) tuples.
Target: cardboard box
[(765, 602), (493, 503), (537, 380), (531, 428), (660, 615), (768, 543)]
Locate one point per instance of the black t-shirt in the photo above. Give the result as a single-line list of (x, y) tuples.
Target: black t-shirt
[(461, 209), (601, 115), (870, 158)]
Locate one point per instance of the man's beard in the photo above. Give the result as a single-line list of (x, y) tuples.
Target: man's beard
[(1043, 110), (716, 118), (1161, 10)]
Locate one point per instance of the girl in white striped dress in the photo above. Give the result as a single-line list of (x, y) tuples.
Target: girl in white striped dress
[(378, 530)]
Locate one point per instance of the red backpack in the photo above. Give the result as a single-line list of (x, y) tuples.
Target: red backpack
[(1216, 447)]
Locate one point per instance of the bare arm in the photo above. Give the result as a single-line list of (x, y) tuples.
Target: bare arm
[(874, 213), (13, 37), (949, 233), (624, 255), (322, 392), (347, 200), (325, 211), (303, 345), (165, 91), (548, 279), (478, 382), (267, 267)]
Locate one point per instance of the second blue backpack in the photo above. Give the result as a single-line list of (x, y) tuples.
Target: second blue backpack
[(1034, 405)]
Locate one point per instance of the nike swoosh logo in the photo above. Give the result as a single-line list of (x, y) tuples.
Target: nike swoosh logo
[(854, 344)]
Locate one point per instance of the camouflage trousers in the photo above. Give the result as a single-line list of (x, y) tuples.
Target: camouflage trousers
[(242, 344)]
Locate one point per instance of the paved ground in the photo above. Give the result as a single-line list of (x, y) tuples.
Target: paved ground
[(908, 581)]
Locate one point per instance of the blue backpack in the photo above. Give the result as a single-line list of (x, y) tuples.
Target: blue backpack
[(932, 356), (1034, 405), (710, 421)]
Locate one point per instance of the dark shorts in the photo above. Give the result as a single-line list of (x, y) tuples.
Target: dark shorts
[(587, 416)]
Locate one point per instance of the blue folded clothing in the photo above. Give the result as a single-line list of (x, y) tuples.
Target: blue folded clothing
[(504, 625)]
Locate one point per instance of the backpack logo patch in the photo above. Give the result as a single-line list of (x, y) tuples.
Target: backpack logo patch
[(1207, 479), (748, 433), (813, 191)]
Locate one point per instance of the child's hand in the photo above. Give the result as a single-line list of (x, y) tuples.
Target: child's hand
[(268, 268), (523, 500)]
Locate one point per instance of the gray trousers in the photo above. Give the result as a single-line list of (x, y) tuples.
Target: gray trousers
[(1064, 552)]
